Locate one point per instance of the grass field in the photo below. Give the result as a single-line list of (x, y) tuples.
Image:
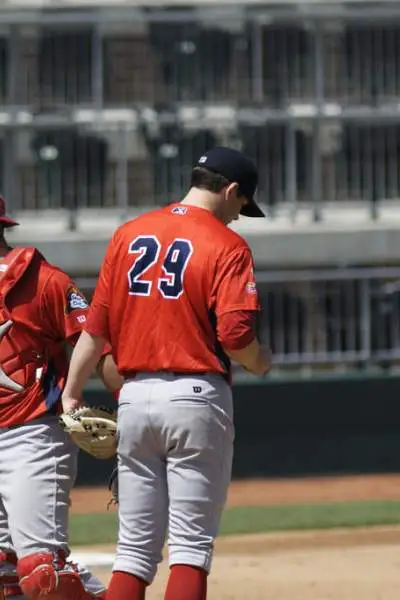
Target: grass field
[(333, 538), (91, 529)]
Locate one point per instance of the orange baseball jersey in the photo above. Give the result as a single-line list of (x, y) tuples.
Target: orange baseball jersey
[(40, 309), (166, 279)]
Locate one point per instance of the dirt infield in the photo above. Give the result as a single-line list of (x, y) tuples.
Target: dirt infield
[(257, 492), (326, 565), (329, 565)]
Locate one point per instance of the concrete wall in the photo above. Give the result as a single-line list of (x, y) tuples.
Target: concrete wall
[(344, 237)]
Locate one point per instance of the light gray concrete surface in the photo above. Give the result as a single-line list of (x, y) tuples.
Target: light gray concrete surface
[(346, 236)]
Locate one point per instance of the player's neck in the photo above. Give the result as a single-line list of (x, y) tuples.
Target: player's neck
[(202, 199)]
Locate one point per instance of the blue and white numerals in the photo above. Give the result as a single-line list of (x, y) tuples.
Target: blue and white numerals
[(174, 264), (149, 249)]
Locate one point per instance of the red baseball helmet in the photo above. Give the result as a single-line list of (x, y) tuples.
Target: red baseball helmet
[(5, 221)]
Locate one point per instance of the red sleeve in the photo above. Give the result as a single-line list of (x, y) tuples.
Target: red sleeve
[(64, 307), (234, 286), (97, 321), (236, 329)]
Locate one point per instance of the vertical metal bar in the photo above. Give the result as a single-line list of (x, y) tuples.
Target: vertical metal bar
[(378, 74), (393, 153), (82, 186), (318, 324), (361, 92), (354, 80), (8, 166), (369, 172), (97, 66), (342, 171), (390, 68), (321, 311), (257, 63), (296, 75), (293, 318), (381, 321), (72, 193), (285, 86), (122, 173), (394, 324), (365, 319), (379, 140), (306, 333), (13, 66), (336, 317), (335, 165), (350, 311), (396, 58), (319, 49), (278, 312), (264, 330), (291, 170), (316, 182), (369, 65), (179, 90), (13, 199), (356, 161)]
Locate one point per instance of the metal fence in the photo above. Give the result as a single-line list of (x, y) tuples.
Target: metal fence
[(111, 107), (331, 317), (327, 318)]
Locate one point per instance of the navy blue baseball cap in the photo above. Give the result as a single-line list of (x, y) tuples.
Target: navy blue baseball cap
[(236, 168)]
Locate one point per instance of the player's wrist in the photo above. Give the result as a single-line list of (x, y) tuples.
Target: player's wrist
[(263, 363)]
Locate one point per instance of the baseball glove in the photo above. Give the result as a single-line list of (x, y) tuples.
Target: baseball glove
[(93, 429)]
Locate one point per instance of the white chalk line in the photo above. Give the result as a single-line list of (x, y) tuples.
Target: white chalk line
[(93, 559)]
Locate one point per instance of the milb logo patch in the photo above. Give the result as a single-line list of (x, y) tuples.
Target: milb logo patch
[(251, 287), (76, 300), (179, 210)]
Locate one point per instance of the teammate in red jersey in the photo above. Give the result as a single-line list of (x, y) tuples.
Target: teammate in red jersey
[(41, 308), (176, 297)]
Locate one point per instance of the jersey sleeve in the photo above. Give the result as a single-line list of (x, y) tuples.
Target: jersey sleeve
[(234, 287), (236, 329), (64, 307)]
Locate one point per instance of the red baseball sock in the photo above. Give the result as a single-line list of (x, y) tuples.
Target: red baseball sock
[(186, 583), (125, 586)]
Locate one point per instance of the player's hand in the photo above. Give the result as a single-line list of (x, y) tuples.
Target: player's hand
[(253, 358), (263, 364), (70, 404)]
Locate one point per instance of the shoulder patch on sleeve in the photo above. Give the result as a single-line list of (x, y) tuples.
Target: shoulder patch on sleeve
[(75, 300), (251, 287)]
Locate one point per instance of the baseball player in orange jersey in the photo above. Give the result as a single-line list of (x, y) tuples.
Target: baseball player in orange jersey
[(176, 297), (41, 308)]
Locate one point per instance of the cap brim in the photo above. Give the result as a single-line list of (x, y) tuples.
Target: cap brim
[(252, 210), (6, 222)]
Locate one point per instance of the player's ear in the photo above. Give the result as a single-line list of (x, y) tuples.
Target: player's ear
[(231, 190)]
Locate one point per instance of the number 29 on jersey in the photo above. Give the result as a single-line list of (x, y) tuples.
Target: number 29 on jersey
[(175, 258)]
